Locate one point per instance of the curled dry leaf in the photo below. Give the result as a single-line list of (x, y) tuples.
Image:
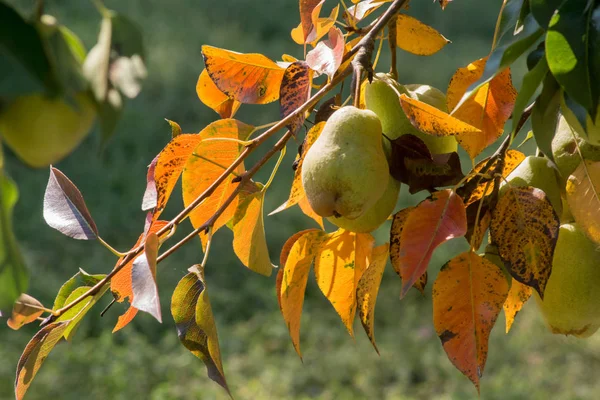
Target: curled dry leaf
[(25, 310), (415, 37), (211, 96), (295, 91), (327, 57), (583, 195), (312, 28)]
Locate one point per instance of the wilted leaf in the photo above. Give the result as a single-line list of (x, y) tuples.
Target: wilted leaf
[(296, 257), (327, 57), (150, 199), (524, 227), (517, 297), (25, 310), (583, 195), (306, 16), (340, 262), (143, 279), (294, 91), (368, 287), (195, 323), (312, 28), (434, 221), (212, 97), (444, 3), (249, 241), (488, 109), (415, 37), (468, 295), (65, 209), (247, 78)]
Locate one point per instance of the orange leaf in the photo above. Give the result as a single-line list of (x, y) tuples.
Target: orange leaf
[(247, 78), (488, 109), (415, 37), (211, 96), (297, 256), (25, 310), (209, 160), (309, 212), (306, 16), (432, 121), (368, 287), (311, 32), (517, 297), (468, 295), (433, 222), (295, 91), (169, 167), (583, 195), (339, 264), (421, 283), (120, 284), (327, 57)]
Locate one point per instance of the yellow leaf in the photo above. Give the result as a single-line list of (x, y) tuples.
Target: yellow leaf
[(212, 97), (583, 195), (415, 37), (25, 310), (517, 297)]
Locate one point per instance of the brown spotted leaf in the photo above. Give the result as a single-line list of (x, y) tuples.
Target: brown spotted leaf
[(212, 97), (583, 195), (294, 91), (468, 295), (524, 227), (25, 310), (327, 57), (415, 37)]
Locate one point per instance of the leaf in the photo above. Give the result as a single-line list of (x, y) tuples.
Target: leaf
[(65, 209), (247, 78), (544, 116), (524, 227), (444, 3), (191, 310), (567, 53), (25, 310), (75, 314), (476, 229), (531, 81), (421, 283), (306, 208), (432, 121), (307, 7), (121, 283), (296, 257), (13, 272), (368, 287), (327, 57), (35, 354), (415, 37), (169, 166), (517, 297), (212, 97), (143, 279), (294, 91), (583, 195), (433, 221), (543, 10), (209, 160), (81, 278), (313, 29), (468, 295), (487, 109), (150, 199), (340, 262), (361, 10), (175, 128), (249, 241)]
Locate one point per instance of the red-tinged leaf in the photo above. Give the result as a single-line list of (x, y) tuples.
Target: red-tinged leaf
[(468, 295), (150, 199), (294, 91), (415, 37), (306, 16), (361, 10), (488, 109), (318, 27), (169, 166), (517, 297), (247, 78), (296, 257), (433, 222), (25, 310), (211, 96), (121, 284), (209, 160), (35, 354), (249, 240), (191, 310), (340, 262), (143, 279), (327, 57), (65, 209), (444, 3), (368, 287), (524, 227), (583, 195)]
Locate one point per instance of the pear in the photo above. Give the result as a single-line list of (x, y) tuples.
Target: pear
[(381, 98), (572, 295), (345, 171), (540, 173), (374, 216), (591, 131)]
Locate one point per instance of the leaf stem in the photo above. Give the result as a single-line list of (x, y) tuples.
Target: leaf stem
[(110, 248), (497, 29), (279, 160), (208, 243)]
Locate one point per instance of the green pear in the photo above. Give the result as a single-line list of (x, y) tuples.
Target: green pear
[(374, 216), (572, 295), (345, 171), (591, 131), (540, 173)]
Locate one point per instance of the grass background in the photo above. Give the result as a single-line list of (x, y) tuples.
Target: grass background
[(145, 360)]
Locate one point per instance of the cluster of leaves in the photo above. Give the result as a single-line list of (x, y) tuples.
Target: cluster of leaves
[(218, 191)]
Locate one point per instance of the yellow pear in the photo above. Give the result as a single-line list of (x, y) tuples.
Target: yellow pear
[(42, 130), (572, 295), (374, 216), (345, 171)]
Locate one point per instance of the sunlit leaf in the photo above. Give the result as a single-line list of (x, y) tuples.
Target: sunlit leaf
[(313, 29), (307, 7), (143, 279), (212, 97), (524, 227), (247, 78), (327, 57), (65, 209), (25, 310), (583, 195), (295, 91), (415, 37), (353, 15), (150, 199), (81, 278), (75, 314), (468, 295)]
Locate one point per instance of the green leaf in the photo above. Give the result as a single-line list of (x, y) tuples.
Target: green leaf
[(75, 314), (13, 273), (567, 51), (531, 81), (543, 10), (81, 278), (544, 115), (509, 19), (594, 50)]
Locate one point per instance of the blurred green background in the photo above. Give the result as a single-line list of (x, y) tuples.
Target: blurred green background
[(145, 360)]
